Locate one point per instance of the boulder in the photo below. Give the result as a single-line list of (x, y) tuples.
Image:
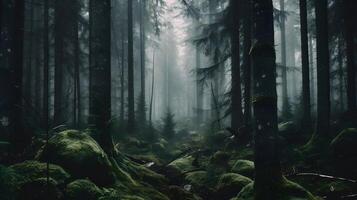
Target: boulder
[(183, 164), (287, 190), (244, 167), (83, 189), (230, 184), (80, 155), (32, 170)]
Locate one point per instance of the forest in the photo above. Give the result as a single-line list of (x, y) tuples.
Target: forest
[(178, 100)]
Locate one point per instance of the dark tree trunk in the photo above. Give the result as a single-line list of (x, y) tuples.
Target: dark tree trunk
[(65, 33), (142, 115), (267, 165), (99, 71), (131, 109), (312, 73), (350, 22), (199, 88), (46, 60), (323, 69), (286, 108), (236, 94), (247, 43), (341, 75), (122, 98), (305, 66), (21, 137), (29, 71), (77, 85)]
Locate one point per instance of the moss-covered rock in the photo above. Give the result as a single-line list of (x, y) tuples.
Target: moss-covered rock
[(178, 193), (32, 170), (80, 155), (345, 144), (9, 180), (39, 189), (183, 164), (83, 189), (244, 167), (197, 178), (220, 159), (287, 190), (230, 184)]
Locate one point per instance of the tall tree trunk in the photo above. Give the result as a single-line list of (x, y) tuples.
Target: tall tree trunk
[(20, 137), (46, 61), (267, 164), (236, 94), (312, 72), (341, 75), (142, 60), (286, 108), (65, 33), (350, 22), (77, 82), (30, 53), (131, 109), (122, 98), (199, 88), (99, 71), (323, 69), (152, 88), (247, 43), (305, 65)]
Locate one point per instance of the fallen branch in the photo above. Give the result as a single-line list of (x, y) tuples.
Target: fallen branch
[(325, 176)]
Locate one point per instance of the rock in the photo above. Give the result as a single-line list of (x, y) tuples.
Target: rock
[(80, 155), (230, 184), (183, 164), (287, 190), (32, 170), (220, 159), (178, 193), (83, 189), (197, 179), (345, 144), (38, 189), (288, 130), (244, 167), (344, 151)]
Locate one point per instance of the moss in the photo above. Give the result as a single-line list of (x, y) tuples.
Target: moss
[(345, 143), (220, 159), (82, 189), (244, 167), (38, 189), (230, 184), (286, 190), (31, 170), (9, 180), (183, 164), (178, 193), (197, 179), (80, 155)]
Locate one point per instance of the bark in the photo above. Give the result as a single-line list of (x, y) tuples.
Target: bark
[(323, 68), (267, 165), (285, 109), (247, 43), (305, 65), (341, 74), (20, 137), (349, 19), (236, 94), (99, 71), (131, 109), (142, 58), (199, 88), (46, 66)]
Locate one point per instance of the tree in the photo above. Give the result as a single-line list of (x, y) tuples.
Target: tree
[(21, 137), (236, 94), (65, 57), (323, 69), (99, 71), (305, 65), (349, 22), (286, 108), (131, 109), (247, 42), (267, 164), (142, 104)]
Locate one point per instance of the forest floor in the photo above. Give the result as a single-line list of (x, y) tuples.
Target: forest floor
[(194, 165)]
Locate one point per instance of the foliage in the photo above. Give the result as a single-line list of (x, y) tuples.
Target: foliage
[(168, 130)]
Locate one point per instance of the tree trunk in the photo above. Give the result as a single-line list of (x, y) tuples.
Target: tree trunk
[(247, 43), (122, 98), (21, 137), (323, 69), (99, 71), (305, 66), (199, 88), (341, 75), (267, 164), (46, 66), (142, 60), (236, 94), (131, 109), (350, 22), (286, 108)]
